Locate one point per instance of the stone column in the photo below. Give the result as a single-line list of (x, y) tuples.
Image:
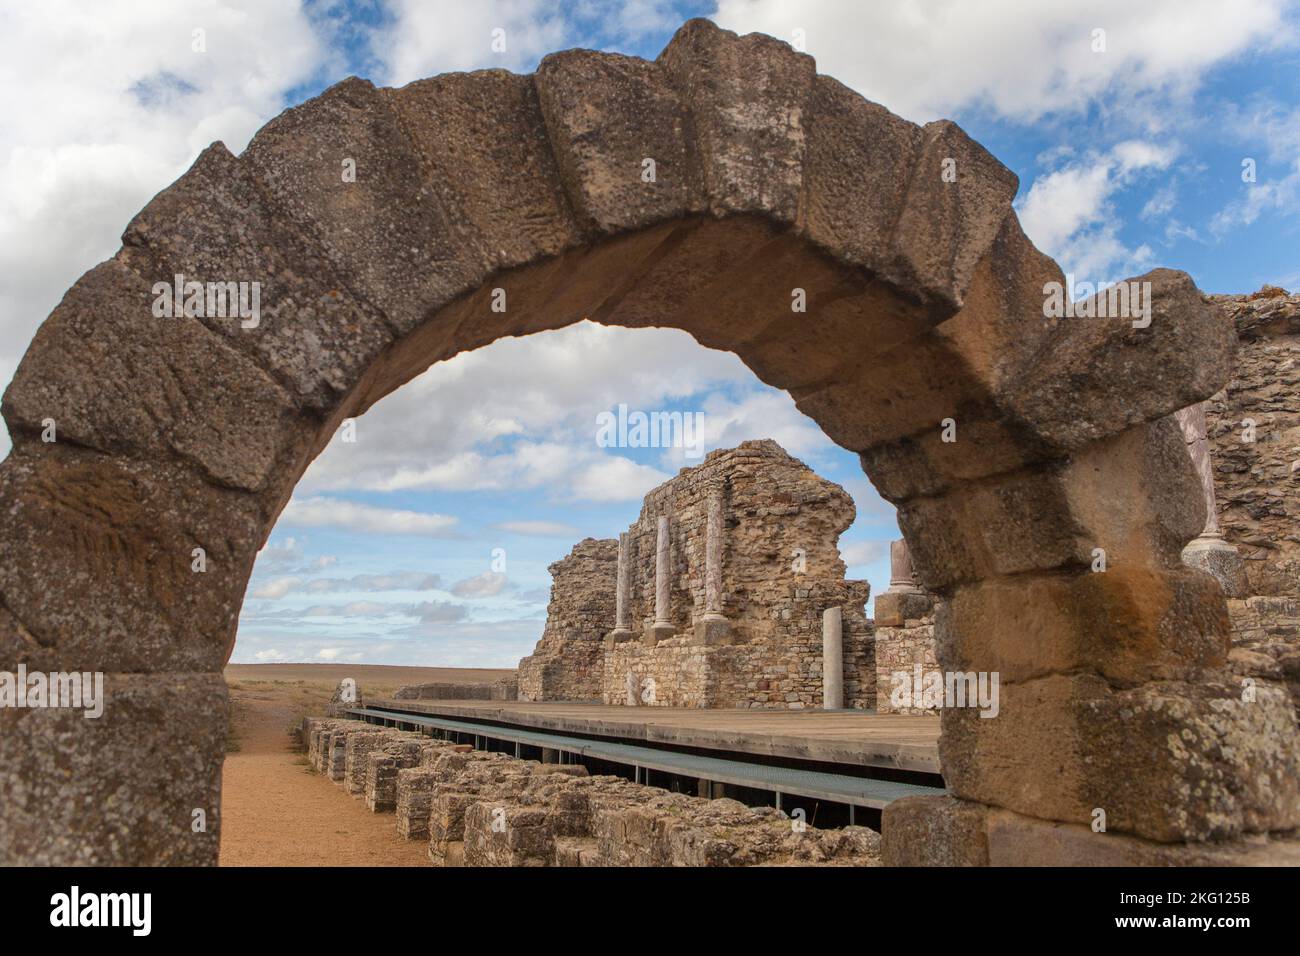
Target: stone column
[(900, 569), (662, 628), (832, 659), (712, 627), (1208, 551), (622, 585), (903, 600)]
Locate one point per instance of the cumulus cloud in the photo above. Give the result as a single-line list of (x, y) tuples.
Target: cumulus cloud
[(320, 512), (521, 414), (109, 103), (426, 37), (1070, 214), (856, 553), (1021, 59), (487, 584)]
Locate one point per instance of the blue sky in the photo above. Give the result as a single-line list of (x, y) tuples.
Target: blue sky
[(426, 540)]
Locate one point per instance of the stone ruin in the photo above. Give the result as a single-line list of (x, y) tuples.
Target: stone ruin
[(724, 593), (1245, 444), (925, 306), (477, 808)]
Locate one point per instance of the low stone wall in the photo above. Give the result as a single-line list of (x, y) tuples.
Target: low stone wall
[(448, 690), (681, 673), (491, 809)]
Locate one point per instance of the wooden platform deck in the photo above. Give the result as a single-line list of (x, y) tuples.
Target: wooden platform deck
[(840, 737)]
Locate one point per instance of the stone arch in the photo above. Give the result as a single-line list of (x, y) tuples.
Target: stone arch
[(924, 303)]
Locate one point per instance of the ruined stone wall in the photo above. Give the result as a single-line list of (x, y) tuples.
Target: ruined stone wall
[(567, 663), (904, 640), (505, 689), (781, 569), (1257, 483)]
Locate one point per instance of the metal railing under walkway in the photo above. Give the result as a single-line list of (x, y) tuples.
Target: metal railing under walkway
[(853, 791)]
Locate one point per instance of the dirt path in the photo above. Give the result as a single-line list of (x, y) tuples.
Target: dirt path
[(275, 812)]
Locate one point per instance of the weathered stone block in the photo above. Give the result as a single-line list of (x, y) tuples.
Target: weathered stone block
[(735, 87), (1133, 499), (934, 831), (113, 377), (1167, 761), (586, 98), (498, 834), (132, 528), (121, 788), (391, 239), (1127, 624), (895, 608)]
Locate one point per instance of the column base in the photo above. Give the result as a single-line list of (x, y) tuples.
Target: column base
[(712, 629), (1219, 559), (655, 633), (894, 607), (619, 635)]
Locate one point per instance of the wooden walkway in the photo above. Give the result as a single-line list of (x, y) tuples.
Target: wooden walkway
[(841, 737)]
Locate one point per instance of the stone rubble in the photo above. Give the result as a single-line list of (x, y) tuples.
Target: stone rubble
[(478, 808)]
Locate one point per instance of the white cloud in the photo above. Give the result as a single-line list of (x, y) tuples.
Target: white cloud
[(1275, 129), (856, 553), (106, 104), (320, 512), (394, 581), (615, 479), (1069, 212), (925, 59), (487, 584), (440, 612), (426, 37), (268, 655), (521, 414), (541, 529), (274, 590)]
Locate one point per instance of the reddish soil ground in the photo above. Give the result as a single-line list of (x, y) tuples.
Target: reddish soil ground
[(275, 810)]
